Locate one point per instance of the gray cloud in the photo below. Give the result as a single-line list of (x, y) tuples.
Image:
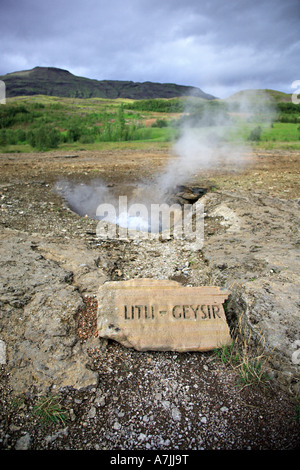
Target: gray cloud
[(221, 47)]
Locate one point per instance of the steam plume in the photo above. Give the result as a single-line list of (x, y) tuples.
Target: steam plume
[(211, 135)]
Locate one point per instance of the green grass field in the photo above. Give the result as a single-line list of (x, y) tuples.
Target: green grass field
[(41, 123)]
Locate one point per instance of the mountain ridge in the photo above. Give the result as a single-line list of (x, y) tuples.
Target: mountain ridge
[(54, 81)]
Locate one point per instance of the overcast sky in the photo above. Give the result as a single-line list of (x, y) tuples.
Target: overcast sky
[(220, 46)]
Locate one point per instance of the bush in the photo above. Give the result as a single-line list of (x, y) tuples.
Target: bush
[(86, 139), (43, 138), (255, 134), (3, 140), (73, 134), (53, 138), (21, 135), (160, 123), (158, 105)]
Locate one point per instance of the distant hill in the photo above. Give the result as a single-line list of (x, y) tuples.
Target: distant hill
[(52, 81), (263, 94)]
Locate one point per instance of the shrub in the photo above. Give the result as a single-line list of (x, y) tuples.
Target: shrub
[(3, 140), (21, 135), (255, 134), (158, 105), (160, 123), (73, 134), (43, 138), (86, 139)]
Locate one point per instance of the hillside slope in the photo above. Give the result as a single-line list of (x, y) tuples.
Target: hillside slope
[(260, 94), (57, 82)]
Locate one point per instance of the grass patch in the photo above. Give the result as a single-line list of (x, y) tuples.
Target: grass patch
[(246, 357), (18, 402), (49, 410)]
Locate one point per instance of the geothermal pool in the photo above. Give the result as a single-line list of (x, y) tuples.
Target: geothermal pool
[(133, 205)]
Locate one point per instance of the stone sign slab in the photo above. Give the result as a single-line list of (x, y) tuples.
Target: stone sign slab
[(162, 315)]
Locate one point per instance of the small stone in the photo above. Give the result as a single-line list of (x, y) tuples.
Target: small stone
[(23, 443), (14, 428), (92, 412), (176, 415), (165, 404), (99, 399), (117, 426), (2, 352), (224, 409), (204, 420), (72, 415), (61, 432), (102, 401)]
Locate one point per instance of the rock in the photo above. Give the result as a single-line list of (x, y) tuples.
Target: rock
[(165, 404), (224, 409), (2, 352), (61, 432), (190, 197), (150, 314), (99, 399), (176, 415), (81, 264), (14, 428), (117, 426), (92, 412), (262, 270), (72, 415), (41, 345), (229, 217), (23, 443)]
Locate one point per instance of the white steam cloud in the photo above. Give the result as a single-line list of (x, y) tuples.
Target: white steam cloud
[(212, 135), (216, 136)]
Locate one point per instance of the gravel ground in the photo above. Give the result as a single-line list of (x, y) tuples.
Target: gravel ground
[(162, 401), (158, 401)]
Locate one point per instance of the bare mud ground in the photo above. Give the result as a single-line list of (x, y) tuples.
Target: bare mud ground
[(130, 400)]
